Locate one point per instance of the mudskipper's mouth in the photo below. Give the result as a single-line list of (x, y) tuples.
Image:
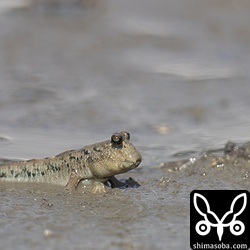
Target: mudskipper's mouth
[(128, 165), (138, 162)]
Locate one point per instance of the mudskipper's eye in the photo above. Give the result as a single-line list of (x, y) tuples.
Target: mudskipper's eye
[(126, 135), (117, 139)]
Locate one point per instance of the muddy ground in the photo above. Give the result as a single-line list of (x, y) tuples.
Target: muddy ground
[(153, 216)]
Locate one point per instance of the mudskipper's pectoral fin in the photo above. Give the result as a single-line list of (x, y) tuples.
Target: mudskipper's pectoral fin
[(73, 181), (129, 183), (115, 183)]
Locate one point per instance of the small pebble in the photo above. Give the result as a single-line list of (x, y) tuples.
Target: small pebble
[(47, 233)]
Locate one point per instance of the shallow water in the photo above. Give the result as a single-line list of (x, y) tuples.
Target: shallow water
[(174, 74)]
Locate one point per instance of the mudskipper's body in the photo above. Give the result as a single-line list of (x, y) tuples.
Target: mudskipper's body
[(98, 162)]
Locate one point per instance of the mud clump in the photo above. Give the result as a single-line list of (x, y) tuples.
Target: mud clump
[(231, 165)]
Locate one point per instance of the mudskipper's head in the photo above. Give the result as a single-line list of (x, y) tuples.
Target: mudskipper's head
[(114, 157)]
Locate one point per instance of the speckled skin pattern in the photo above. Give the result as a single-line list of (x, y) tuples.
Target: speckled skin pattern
[(96, 162)]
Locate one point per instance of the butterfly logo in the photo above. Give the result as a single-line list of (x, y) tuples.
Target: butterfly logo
[(203, 227)]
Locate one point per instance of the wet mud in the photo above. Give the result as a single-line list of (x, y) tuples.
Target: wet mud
[(151, 216), (230, 165)]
